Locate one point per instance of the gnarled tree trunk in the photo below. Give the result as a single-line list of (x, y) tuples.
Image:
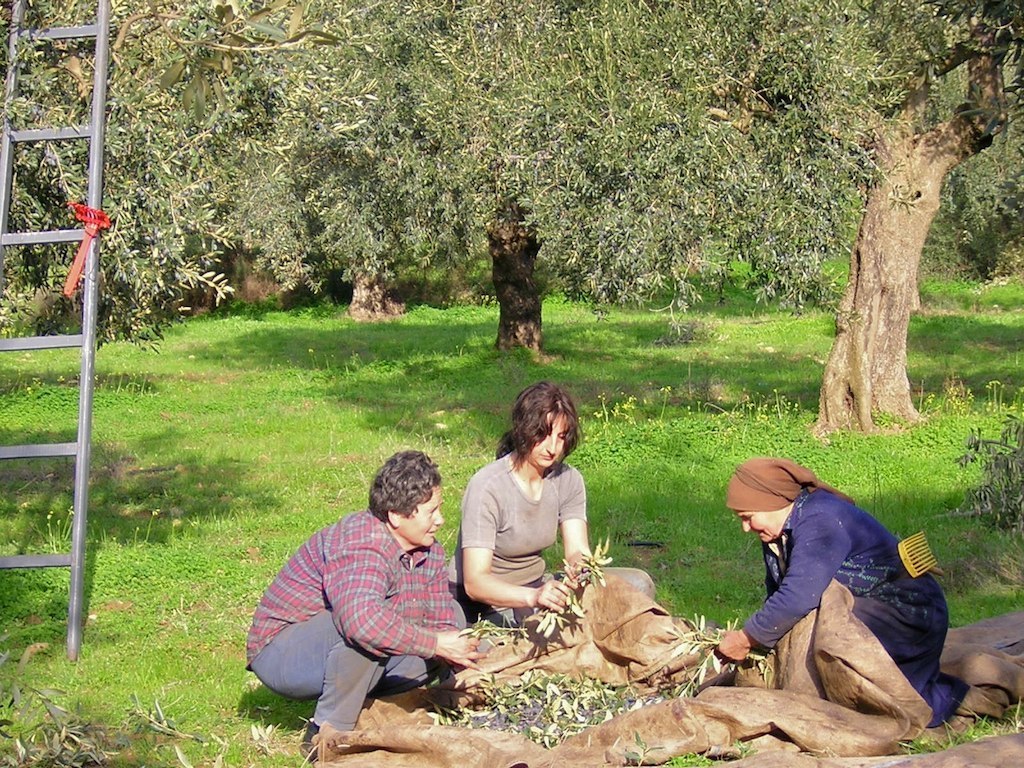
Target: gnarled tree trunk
[(514, 248), (866, 372), (372, 301)]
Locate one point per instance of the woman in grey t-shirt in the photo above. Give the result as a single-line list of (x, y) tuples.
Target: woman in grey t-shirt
[(515, 507)]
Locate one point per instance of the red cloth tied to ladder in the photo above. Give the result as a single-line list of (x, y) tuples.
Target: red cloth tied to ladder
[(94, 220)]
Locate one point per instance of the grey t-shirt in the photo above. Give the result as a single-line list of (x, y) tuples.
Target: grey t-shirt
[(497, 515)]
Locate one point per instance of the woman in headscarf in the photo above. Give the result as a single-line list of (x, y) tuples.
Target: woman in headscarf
[(811, 534)]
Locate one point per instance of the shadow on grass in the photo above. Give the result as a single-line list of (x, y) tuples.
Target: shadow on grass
[(263, 706), (422, 369), (975, 350), (128, 505), (412, 369), (435, 367)]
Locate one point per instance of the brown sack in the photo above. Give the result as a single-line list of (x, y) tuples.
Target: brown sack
[(436, 746), (1001, 633), (834, 692), (830, 654), (992, 752), (626, 638), (720, 717), (988, 655)]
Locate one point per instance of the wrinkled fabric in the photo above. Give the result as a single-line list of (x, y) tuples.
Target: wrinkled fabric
[(992, 752), (831, 695)]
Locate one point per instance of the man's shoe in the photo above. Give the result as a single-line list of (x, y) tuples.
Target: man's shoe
[(309, 749), (327, 739)]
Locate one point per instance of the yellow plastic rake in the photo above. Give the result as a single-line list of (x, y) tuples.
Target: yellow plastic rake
[(917, 556)]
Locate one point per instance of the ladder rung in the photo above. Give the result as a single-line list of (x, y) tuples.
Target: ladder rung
[(35, 561), (43, 238), (41, 342), (40, 451), (61, 33), (52, 134)]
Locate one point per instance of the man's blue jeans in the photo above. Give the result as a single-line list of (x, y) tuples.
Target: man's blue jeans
[(311, 660)]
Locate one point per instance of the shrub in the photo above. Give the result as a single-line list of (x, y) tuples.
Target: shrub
[(999, 498)]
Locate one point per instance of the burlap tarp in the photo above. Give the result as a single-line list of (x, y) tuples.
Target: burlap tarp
[(832, 697)]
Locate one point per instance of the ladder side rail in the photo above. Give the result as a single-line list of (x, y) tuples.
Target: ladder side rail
[(89, 312), (6, 145)]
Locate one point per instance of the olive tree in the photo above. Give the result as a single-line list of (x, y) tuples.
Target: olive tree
[(982, 215), (189, 86), (625, 145), (914, 146), (629, 145), (354, 185)]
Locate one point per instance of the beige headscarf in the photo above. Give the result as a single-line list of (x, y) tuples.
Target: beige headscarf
[(766, 484)]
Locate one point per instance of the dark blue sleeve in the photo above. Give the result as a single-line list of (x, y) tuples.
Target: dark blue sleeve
[(821, 543)]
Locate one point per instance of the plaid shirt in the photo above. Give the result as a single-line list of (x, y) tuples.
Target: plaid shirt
[(385, 600)]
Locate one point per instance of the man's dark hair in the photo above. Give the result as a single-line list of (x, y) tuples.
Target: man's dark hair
[(405, 481), (535, 410)]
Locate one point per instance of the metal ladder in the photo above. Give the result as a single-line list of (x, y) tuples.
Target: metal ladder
[(94, 133)]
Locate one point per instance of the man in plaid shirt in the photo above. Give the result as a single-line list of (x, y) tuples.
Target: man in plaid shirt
[(363, 608)]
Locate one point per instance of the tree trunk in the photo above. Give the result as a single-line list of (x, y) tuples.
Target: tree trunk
[(866, 372), (514, 248), (372, 301)]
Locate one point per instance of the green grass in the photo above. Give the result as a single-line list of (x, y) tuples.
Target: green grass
[(217, 455)]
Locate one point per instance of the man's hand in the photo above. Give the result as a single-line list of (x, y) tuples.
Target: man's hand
[(458, 649), (734, 646)]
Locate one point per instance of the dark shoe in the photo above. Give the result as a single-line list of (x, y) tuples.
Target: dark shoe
[(308, 749)]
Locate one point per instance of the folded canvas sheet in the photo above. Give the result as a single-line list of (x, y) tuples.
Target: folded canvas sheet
[(831, 695)]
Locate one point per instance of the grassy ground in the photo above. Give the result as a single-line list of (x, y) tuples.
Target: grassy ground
[(217, 455)]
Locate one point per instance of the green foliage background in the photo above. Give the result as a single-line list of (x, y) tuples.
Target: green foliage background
[(652, 145)]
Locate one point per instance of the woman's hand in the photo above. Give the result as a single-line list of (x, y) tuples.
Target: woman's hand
[(575, 569), (552, 594), (734, 646)]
